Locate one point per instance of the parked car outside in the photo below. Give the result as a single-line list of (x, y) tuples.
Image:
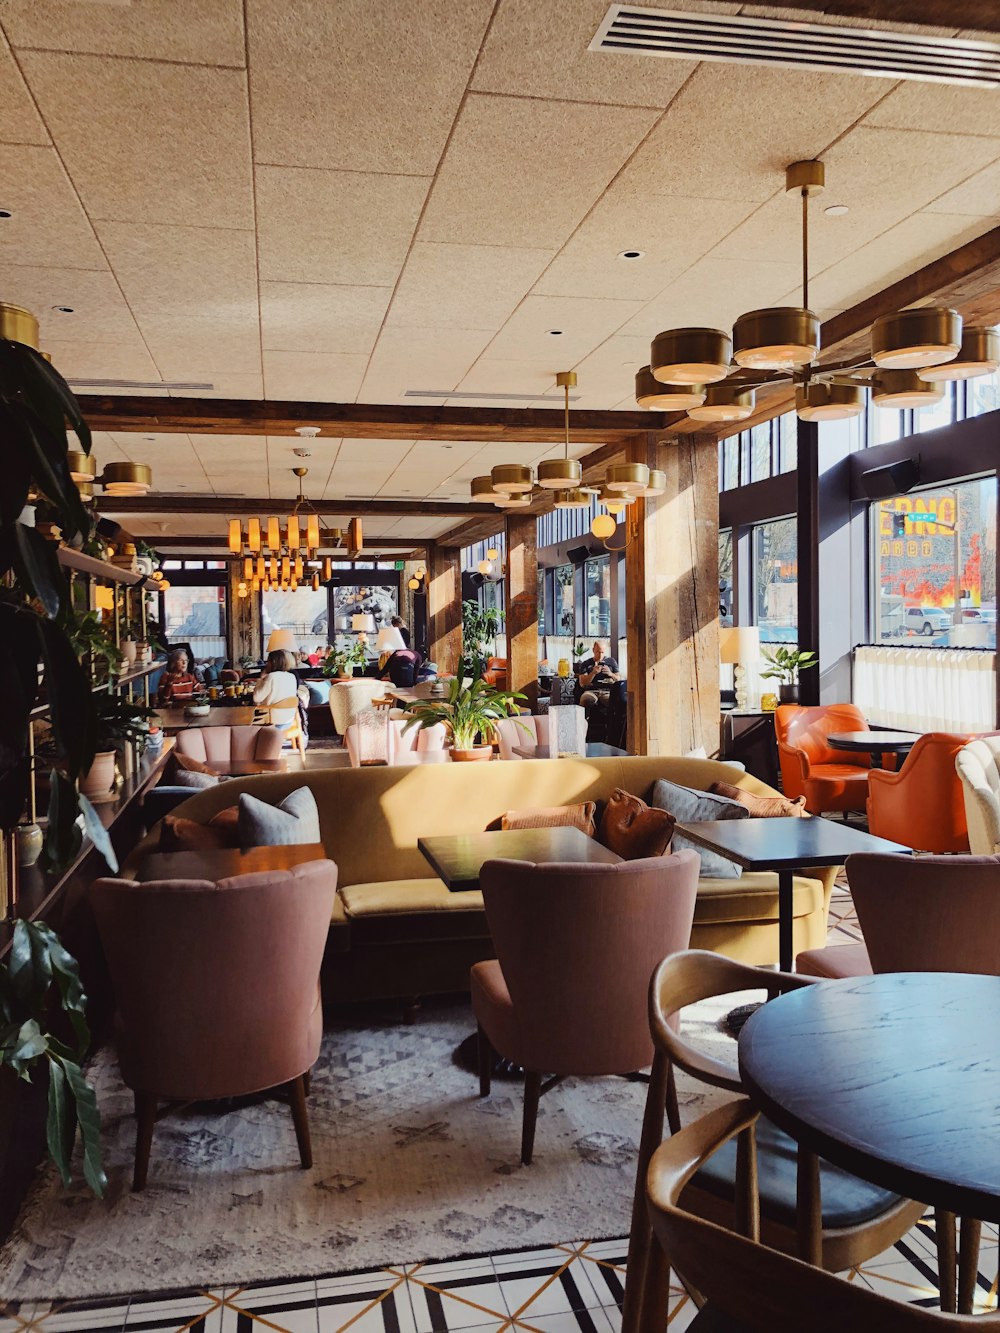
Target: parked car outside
[(927, 620)]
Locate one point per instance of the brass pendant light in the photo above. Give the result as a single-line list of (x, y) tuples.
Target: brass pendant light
[(127, 478), (913, 339), (828, 402), (904, 388), (482, 489), (564, 473), (691, 356), (627, 478), (979, 354), (780, 338), (18, 325), (520, 501), (573, 498), (511, 479), (724, 402), (652, 394), (657, 484), (82, 467)]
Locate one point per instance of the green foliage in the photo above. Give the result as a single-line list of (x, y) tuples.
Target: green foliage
[(470, 712), (786, 663), (121, 721), (38, 964), (480, 626), (579, 649), (92, 642)]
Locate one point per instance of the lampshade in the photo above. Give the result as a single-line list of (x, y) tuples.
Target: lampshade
[(362, 623), (511, 501), (281, 639), (126, 478), (651, 393), (904, 388), (312, 532), (273, 535), (739, 644), (724, 402), (413, 584), (235, 536), (691, 356), (253, 534), (627, 478), (829, 402), (293, 532), (482, 488), (248, 567), (910, 339), (511, 478), (776, 338), (389, 640), (978, 355), (657, 484), (614, 501), (603, 526), (574, 498), (82, 467), (560, 473), (485, 567)]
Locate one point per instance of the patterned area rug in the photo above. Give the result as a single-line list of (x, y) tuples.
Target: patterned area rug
[(408, 1162)]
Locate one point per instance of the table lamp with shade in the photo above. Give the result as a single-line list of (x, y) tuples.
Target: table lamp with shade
[(389, 641), (281, 639), (740, 646)]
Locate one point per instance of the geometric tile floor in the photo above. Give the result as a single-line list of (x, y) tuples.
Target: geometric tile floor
[(575, 1287)]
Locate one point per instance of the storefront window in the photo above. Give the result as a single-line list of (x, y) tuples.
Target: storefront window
[(941, 414), (935, 563), (726, 576), (303, 611), (760, 451), (564, 608), (597, 582), (541, 603), (983, 394), (776, 576), (196, 616)]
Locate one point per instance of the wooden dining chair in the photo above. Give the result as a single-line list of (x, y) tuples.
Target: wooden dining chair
[(740, 1285), (854, 1220), (293, 731)]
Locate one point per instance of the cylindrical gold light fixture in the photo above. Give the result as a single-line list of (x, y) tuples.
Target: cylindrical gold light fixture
[(627, 478), (614, 501), (978, 355), (910, 339), (829, 402), (652, 394), (18, 325), (248, 567), (691, 356), (777, 338), (327, 569), (904, 388), (82, 467), (273, 535), (126, 478), (559, 474), (657, 484), (482, 489), (253, 534), (724, 402), (312, 532), (293, 532), (314, 583), (511, 501), (573, 498), (286, 569), (235, 536), (298, 567), (86, 489), (261, 567), (603, 526), (511, 478)]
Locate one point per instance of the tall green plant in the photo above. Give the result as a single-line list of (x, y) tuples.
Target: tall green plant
[(470, 712), (480, 626)]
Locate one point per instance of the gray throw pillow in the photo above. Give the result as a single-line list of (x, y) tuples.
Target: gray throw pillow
[(191, 778), (688, 807), (295, 820)]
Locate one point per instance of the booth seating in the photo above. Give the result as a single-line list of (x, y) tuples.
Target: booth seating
[(396, 929)]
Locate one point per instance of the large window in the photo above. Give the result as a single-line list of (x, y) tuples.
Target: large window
[(775, 582), (597, 590), (934, 556), (565, 626), (726, 576), (303, 611), (196, 616)]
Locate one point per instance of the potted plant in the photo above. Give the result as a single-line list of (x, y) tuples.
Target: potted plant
[(131, 641), (578, 651), (470, 713), (335, 665), (480, 626), (785, 665), (93, 644)]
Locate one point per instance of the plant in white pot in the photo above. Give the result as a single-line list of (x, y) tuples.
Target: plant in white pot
[(470, 713), (131, 638), (784, 666)]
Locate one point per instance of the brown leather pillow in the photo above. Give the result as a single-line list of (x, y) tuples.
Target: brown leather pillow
[(553, 816), (762, 807), (178, 834), (632, 829), (185, 762)]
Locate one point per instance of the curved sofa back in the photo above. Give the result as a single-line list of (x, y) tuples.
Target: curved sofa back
[(371, 818)]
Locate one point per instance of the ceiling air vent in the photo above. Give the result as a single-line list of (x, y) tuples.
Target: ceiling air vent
[(493, 397), (743, 39), (137, 384)]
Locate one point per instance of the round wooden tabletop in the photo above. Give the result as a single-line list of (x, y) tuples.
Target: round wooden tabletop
[(866, 742), (896, 1078)]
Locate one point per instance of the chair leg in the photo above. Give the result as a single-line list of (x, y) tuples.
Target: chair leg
[(944, 1227), (532, 1092), (485, 1052), (300, 1118), (145, 1115), (307, 1082), (673, 1110), (968, 1263), (654, 1294), (641, 1240)]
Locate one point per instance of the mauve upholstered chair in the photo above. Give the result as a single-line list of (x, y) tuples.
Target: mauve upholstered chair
[(230, 744), (576, 945), (522, 731), (216, 988)]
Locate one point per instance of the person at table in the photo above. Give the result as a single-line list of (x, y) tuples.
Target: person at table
[(278, 685), (595, 676), (317, 655), (177, 684)]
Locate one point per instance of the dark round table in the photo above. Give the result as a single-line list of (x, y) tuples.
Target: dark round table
[(895, 1078), (877, 744)]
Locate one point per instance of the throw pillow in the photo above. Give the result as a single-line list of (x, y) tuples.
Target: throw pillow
[(183, 763), (182, 778), (178, 834), (690, 806), (632, 830), (553, 816), (763, 807), (295, 820)]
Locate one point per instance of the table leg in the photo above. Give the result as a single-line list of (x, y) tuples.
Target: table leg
[(785, 920)]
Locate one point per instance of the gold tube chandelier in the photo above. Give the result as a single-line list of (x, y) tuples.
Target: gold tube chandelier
[(295, 539)]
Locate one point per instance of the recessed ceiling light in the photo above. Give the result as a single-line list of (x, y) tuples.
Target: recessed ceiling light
[(63, 309), (554, 333), (632, 254), (835, 210), (5, 213)]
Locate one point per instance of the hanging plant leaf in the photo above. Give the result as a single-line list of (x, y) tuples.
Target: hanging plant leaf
[(60, 1128), (62, 836), (49, 468), (89, 1119), (97, 833), (37, 567), (18, 689), (44, 384), (27, 1046), (29, 969), (17, 484), (71, 703)]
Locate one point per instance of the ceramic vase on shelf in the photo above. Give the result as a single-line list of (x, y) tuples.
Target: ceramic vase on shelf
[(29, 844), (129, 649), (100, 776)]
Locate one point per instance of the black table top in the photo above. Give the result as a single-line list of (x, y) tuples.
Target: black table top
[(773, 844), (595, 750), (868, 742), (894, 1077), (459, 858)]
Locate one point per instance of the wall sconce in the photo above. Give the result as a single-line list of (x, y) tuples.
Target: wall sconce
[(604, 527)]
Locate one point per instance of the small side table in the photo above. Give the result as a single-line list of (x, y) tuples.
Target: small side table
[(748, 735)]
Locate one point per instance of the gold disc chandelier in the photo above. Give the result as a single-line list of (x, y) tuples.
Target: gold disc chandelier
[(510, 485), (713, 376), (279, 555)]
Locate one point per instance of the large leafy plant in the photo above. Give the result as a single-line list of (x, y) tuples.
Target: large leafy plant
[(480, 626), (470, 712), (786, 663)]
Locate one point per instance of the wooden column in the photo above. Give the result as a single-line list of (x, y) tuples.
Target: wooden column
[(672, 600), (521, 605), (244, 618), (444, 608)]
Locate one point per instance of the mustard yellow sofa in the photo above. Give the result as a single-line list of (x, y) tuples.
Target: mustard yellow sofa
[(398, 932)]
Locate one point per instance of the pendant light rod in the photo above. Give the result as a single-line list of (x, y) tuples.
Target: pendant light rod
[(566, 379), (808, 178), (805, 249)]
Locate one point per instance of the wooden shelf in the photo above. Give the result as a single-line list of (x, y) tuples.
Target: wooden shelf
[(101, 569)]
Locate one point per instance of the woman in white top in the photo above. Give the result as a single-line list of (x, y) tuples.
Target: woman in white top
[(278, 685)]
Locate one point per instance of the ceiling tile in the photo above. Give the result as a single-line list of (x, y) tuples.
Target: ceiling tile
[(583, 322), (733, 129), (225, 383), (144, 140), (526, 376), (103, 361), (508, 154), (335, 226), (463, 286), (99, 310), (937, 106), (712, 293), (325, 377), (979, 196), (419, 359), (193, 291), (332, 88), (672, 233), (187, 31), (316, 317), (20, 122), (48, 225)]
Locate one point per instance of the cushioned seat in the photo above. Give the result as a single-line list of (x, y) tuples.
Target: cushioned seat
[(754, 892), (397, 896), (829, 779), (848, 1201), (836, 961)]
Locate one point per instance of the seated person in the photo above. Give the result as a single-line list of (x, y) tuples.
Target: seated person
[(177, 684), (595, 676), (397, 623), (401, 668), (317, 655), (278, 685)]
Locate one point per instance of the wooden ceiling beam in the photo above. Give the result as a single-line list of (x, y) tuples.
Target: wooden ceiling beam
[(356, 421), (981, 14), (241, 506)]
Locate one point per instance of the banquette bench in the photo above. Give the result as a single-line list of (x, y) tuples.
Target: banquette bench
[(397, 931)]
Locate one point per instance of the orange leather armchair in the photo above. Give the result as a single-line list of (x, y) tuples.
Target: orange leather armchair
[(922, 805), (216, 988), (829, 779), (496, 672)]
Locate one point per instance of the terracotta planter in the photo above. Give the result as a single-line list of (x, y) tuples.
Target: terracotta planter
[(479, 753), (100, 777)]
